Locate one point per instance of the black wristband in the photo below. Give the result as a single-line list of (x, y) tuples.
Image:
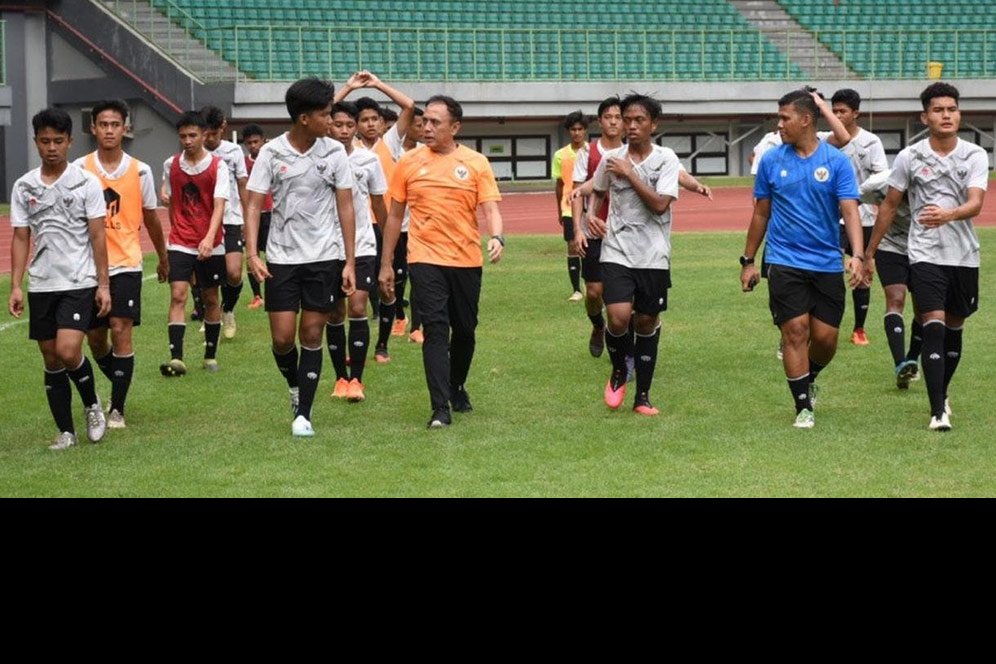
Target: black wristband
[(500, 238)]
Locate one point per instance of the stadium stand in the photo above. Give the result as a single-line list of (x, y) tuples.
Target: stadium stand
[(899, 38), (469, 40)]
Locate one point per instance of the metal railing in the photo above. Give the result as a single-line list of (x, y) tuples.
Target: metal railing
[(3, 52)]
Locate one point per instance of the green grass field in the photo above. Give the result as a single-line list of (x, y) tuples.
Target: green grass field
[(539, 427)]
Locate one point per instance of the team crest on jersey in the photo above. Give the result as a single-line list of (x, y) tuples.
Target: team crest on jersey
[(925, 171), (321, 167), (461, 173), (67, 200), (962, 173), (822, 174)]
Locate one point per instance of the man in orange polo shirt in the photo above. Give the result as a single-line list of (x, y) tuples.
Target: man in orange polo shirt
[(443, 182)]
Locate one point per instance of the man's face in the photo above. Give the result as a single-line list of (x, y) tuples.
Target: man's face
[(845, 114), (53, 146), (191, 139), (792, 124), (109, 128), (438, 129), (369, 124), (318, 123), (942, 117), (639, 126), (610, 122), (579, 133), (343, 128), (253, 144), (212, 137)]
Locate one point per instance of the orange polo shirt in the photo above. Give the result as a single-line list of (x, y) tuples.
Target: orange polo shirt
[(442, 193)]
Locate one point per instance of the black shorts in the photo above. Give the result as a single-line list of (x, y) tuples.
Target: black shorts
[(568, 225), (793, 292), (645, 288), (233, 239), (264, 230), (60, 310), (308, 286), (366, 273), (892, 268), (183, 266), (845, 243), (126, 299), (948, 288), (591, 264)]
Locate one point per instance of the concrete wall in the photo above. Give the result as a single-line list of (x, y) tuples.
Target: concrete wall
[(27, 76)]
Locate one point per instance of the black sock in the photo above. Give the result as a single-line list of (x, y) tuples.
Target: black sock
[(895, 333), (619, 347), (933, 365), (384, 322), (176, 332), (309, 372), (82, 377), (60, 399), (359, 342), (254, 285), (645, 351), (211, 333), (230, 296), (287, 363), (952, 354), (104, 364), (195, 294), (916, 340), (800, 393), (861, 297), (335, 339), (597, 320), (574, 272), (399, 292), (814, 370), (123, 369)]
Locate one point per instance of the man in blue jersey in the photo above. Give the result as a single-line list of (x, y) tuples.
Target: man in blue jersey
[(802, 188)]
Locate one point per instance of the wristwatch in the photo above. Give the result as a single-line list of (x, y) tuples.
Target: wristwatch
[(500, 238), (744, 261)]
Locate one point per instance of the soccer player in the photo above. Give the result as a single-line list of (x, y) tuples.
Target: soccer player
[(636, 249), (310, 260), (563, 174), (867, 157), (803, 187), (893, 267), (253, 137), (444, 183), (770, 140), (945, 179), (130, 195), (234, 159), (369, 187), (196, 183), (63, 207)]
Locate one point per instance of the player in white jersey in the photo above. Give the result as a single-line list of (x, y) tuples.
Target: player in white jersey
[(369, 187), (945, 178), (62, 206), (770, 140), (636, 249), (238, 175), (310, 253), (130, 194)]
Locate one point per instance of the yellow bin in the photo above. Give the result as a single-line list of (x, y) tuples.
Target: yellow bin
[(935, 70)]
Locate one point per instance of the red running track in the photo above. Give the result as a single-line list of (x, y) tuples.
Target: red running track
[(729, 210)]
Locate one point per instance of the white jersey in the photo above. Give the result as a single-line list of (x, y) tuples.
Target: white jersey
[(368, 179), (867, 157), (873, 192), (637, 237), (221, 190), (930, 179), (235, 160), (770, 140), (304, 227), (58, 216)]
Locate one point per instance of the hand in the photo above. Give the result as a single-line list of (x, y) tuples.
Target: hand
[(386, 281), (163, 196), (162, 269), (204, 249), (868, 271), (620, 167), (749, 277), (103, 300), (855, 271), (575, 194), (15, 305), (495, 249), (579, 244), (349, 278), (258, 268), (705, 191), (821, 103), (932, 216), (372, 80), (597, 227)]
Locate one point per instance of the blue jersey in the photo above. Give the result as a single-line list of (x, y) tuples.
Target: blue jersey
[(805, 195)]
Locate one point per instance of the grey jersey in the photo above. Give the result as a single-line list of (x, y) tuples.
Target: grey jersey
[(368, 178), (58, 216), (867, 156), (235, 159), (304, 227), (873, 191), (637, 237), (929, 179)]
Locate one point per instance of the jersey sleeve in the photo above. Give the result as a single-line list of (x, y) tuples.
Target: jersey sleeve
[(978, 173), (377, 183), (487, 186), (399, 181), (900, 176), (601, 176), (96, 204), (667, 181), (846, 183), (879, 162), (18, 212), (343, 173), (240, 163), (262, 173), (222, 187), (167, 165), (395, 142), (145, 179), (555, 168)]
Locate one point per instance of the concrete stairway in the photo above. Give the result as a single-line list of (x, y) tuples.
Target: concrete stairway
[(800, 45)]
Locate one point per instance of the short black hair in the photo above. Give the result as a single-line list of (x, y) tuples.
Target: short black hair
[(651, 105), (608, 103), (938, 90), (307, 95), (191, 119), (577, 117), (847, 96), (53, 118), (213, 116), (803, 103), (419, 112), (367, 104), (388, 114), (453, 107), (117, 105), (348, 108), (252, 130)]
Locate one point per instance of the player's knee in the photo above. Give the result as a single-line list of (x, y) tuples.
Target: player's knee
[(645, 325), (69, 353), (795, 332), (593, 290)]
